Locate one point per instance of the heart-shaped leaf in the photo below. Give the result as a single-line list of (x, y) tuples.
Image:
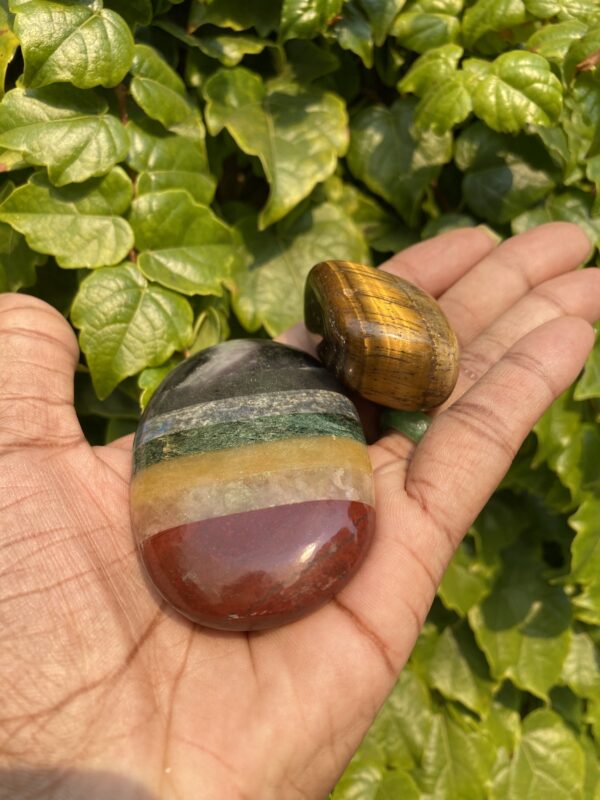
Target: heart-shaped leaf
[(127, 324)]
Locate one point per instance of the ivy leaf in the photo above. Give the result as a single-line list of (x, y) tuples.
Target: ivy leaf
[(548, 762), (271, 124), (420, 32), (74, 43), (160, 92), (504, 175), (353, 33), (518, 89), (465, 582), (305, 19), (586, 544), (382, 230), (64, 129), (182, 244), (523, 626), (17, 260), (150, 379), (486, 16), (431, 69), (582, 54), (459, 671), (263, 16), (381, 14), (168, 161), (581, 669), (392, 160), (553, 41), (134, 12), (585, 10), (445, 106), (8, 46), (270, 291), (456, 761), (127, 324), (588, 386), (572, 205), (228, 48), (80, 225)]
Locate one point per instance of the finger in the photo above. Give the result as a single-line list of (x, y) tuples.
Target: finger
[(575, 294), (510, 272), (470, 446), (38, 354), (437, 263)]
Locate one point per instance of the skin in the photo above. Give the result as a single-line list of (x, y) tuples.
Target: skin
[(107, 693)]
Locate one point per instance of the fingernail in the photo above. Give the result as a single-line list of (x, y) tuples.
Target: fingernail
[(496, 238)]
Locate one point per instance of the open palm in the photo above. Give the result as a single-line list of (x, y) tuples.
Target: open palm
[(108, 693)]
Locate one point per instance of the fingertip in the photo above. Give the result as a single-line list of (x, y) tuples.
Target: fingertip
[(27, 314), (565, 235)]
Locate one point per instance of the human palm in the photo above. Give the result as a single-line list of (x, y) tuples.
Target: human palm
[(107, 693)]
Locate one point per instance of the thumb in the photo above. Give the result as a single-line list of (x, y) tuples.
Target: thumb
[(38, 354)]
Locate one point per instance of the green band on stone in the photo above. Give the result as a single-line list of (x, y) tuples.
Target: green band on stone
[(412, 424)]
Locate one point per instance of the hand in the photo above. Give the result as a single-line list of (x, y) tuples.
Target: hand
[(106, 693)]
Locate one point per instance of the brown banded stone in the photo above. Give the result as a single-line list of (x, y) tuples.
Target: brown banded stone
[(383, 337)]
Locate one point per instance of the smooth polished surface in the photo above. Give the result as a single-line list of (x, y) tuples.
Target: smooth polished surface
[(252, 496), (382, 336)]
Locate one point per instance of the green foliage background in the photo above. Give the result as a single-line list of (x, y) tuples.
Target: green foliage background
[(171, 170)]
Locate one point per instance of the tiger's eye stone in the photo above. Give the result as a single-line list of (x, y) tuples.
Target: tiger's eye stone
[(382, 336), (252, 495)]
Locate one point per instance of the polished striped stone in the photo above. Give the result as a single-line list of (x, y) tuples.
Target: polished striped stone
[(252, 488)]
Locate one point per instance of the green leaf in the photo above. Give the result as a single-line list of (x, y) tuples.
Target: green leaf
[(491, 15), (421, 32), (272, 124), (518, 89), (17, 260), (392, 160), (305, 19), (572, 205), (505, 175), (8, 46), (382, 230), (381, 14), (65, 42), (585, 10), (66, 130), (586, 544), (270, 290), (228, 48), (127, 324), (353, 33), (523, 625), (548, 762), (581, 669), (168, 161), (465, 582), (134, 12), (456, 761), (553, 41), (181, 244), (583, 54), (431, 69), (160, 92), (459, 670), (150, 379), (588, 386), (263, 16), (80, 225), (445, 106)]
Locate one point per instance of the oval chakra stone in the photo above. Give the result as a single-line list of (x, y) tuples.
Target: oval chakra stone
[(252, 495)]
